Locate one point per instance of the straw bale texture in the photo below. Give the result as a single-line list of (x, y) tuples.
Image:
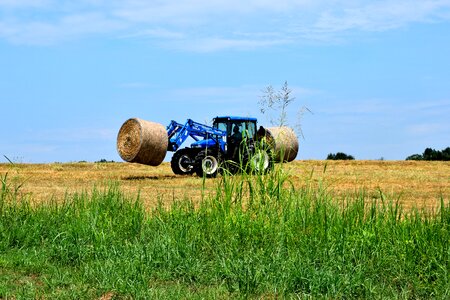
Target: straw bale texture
[(142, 142), (284, 142)]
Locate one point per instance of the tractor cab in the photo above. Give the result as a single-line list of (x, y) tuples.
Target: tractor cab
[(240, 131)]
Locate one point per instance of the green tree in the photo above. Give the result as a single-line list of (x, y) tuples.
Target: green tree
[(415, 157), (339, 156), (432, 154)]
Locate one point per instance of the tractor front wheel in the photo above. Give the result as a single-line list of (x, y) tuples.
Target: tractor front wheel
[(182, 162)]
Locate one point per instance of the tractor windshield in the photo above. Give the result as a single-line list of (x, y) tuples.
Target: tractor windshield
[(221, 126), (246, 129)]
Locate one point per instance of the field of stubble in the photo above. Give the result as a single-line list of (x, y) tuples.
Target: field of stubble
[(412, 183)]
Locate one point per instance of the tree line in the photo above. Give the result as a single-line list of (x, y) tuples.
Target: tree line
[(431, 154), (428, 154)]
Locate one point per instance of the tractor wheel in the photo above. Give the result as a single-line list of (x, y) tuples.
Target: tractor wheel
[(261, 161), (182, 162), (207, 163)]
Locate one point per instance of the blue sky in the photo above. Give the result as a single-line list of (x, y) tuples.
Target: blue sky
[(375, 74)]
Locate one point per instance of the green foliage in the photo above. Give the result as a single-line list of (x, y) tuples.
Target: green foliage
[(431, 154), (415, 157), (256, 236), (339, 156)]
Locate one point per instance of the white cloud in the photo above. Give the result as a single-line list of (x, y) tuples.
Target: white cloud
[(431, 107), (135, 85), (197, 25), (380, 16), (217, 44), (430, 129), (67, 27), (357, 108), (74, 135), (156, 33), (216, 94), (387, 107), (23, 3)]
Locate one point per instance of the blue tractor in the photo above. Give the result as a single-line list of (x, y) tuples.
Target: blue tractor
[(231, 143)]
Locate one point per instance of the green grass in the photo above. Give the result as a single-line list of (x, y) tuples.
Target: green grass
[(256, 236)]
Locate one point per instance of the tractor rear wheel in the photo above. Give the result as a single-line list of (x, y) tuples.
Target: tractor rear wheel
[(182, 162), (207, 163), (261, 161)]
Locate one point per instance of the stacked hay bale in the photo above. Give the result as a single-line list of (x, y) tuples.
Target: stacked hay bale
[(282, 140), (142, 142)]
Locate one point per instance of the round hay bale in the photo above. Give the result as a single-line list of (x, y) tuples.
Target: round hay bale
[(284, 142), (142, 142)]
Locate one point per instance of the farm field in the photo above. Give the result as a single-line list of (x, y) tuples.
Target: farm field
[(414, 183), (312, 229)]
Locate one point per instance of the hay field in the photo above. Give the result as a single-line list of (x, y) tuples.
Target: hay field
[(414, 183)]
